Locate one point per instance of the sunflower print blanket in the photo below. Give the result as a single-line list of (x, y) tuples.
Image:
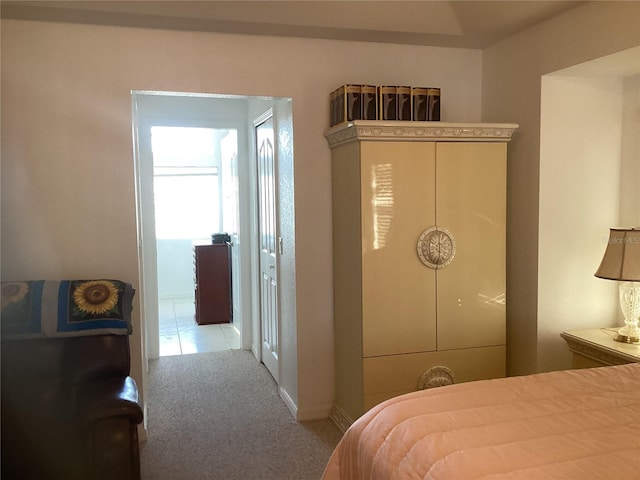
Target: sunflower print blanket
[(66, 308)]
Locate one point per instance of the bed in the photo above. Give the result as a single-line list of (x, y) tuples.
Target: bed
[(582, 424)]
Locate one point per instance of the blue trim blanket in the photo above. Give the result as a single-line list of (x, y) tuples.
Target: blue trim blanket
[(66, 308)]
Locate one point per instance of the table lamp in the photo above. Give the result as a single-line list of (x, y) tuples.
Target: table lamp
[(621, 262)]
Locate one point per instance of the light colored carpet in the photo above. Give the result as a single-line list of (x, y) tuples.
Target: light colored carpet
[(219, 416)]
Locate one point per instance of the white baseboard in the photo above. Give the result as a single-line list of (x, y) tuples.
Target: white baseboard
[(317, 412), (291, 405), (142, 427), (302, 415)]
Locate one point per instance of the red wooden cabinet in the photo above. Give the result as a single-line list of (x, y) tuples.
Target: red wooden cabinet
[(212, 284)]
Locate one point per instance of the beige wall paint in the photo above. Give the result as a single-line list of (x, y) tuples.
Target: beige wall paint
[(580, 171), (68, 201), (630, 180), (512, 71)]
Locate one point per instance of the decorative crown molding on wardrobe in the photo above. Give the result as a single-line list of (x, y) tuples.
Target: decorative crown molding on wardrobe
[(419, 131)]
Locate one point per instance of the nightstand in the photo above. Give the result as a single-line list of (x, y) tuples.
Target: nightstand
[(596, 347)]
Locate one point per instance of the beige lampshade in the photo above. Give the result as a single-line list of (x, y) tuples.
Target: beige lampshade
[(621, 259)]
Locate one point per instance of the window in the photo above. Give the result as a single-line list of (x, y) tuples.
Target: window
[(186, 183)]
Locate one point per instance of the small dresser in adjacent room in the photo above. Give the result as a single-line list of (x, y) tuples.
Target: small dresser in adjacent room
[(212, 266)]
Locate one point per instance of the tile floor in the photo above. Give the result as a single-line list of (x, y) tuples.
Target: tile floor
[(181, 335)]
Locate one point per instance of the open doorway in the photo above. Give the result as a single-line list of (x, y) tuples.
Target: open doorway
[(186, 121), (222, 114), (195, 199)]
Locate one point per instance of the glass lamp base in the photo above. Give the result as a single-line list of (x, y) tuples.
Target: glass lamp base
[(630, 306), (620, 337)]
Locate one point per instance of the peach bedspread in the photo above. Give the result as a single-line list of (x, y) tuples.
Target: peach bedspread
[(579, 424)]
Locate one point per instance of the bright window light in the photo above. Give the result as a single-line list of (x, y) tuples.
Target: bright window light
[(185, 182)]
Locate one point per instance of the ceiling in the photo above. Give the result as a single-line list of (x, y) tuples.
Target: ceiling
[(464, 24)]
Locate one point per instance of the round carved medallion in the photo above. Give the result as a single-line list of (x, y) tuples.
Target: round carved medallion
[(436, 377), (436, 247)]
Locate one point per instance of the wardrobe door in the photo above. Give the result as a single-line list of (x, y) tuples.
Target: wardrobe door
[(398, 292), (471, 204)]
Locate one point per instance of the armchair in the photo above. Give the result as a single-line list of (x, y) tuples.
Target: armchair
[(70, 410)]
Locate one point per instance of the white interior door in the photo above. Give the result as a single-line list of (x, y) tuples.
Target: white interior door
[(267, 233)]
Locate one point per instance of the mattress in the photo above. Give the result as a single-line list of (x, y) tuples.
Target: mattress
[(567, 424)]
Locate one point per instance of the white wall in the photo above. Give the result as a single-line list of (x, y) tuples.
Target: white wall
[(175, 268), (512, 79), (630, 151), (67, 158), (580, 172)]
